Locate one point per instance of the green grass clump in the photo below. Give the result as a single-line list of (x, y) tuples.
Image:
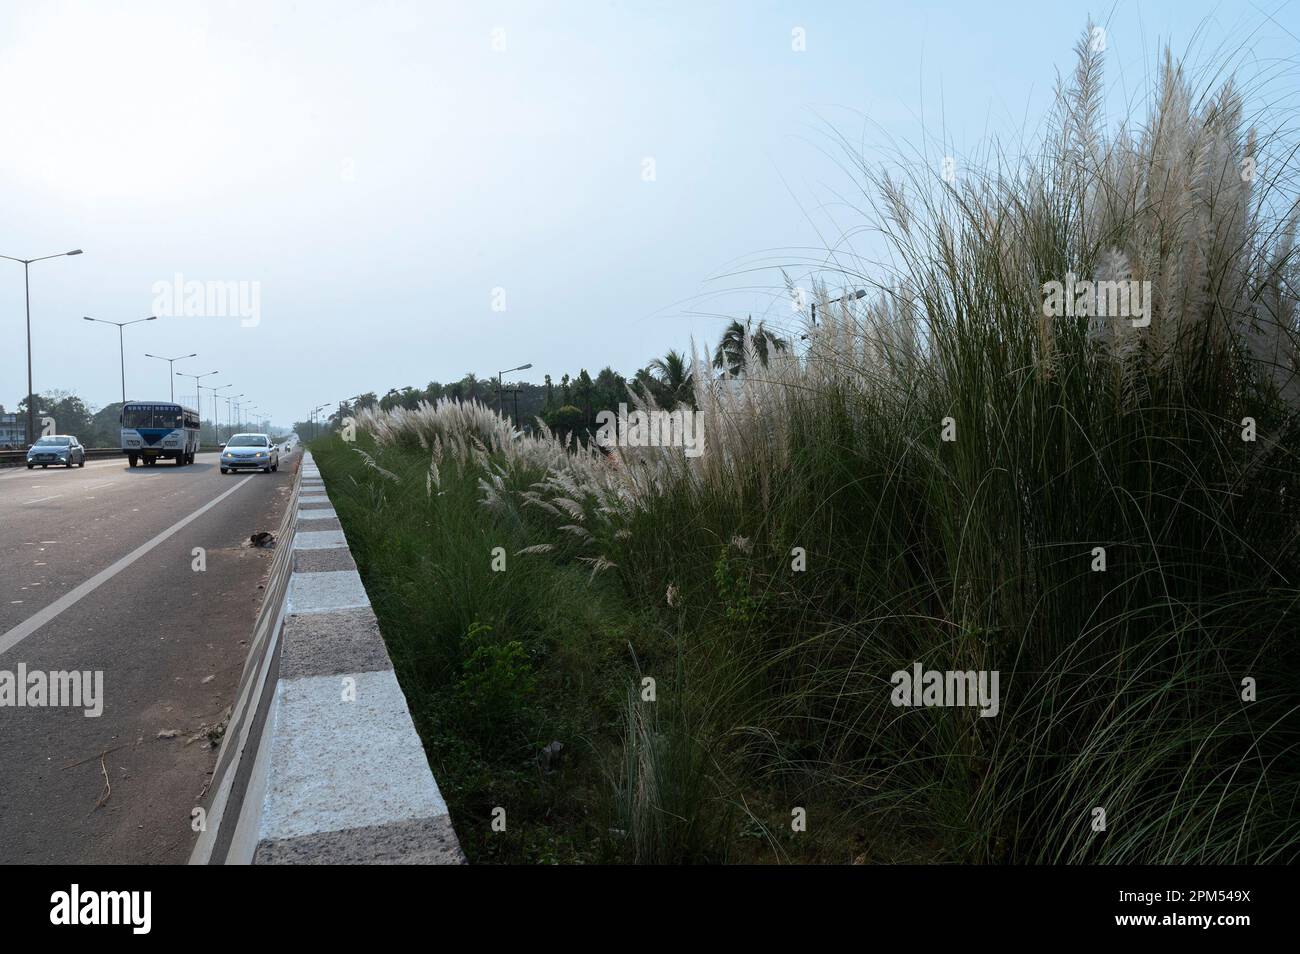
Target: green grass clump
[(943, 476)]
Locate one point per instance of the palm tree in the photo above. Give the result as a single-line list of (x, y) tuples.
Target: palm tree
[(731, 349), (674, 376)]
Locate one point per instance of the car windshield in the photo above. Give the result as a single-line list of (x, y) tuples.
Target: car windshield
[(247, 440), (54, 442)]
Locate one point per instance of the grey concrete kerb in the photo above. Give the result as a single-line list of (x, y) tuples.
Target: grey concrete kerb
[(347, 780)]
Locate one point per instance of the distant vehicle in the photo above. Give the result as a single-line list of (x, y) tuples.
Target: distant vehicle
[(56, 449), (153, 431), (250, 450)]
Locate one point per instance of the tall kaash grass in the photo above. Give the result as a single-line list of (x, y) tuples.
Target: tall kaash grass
[(1122, 688)]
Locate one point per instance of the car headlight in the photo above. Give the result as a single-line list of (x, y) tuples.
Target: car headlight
[(261, 453), (227, 454)]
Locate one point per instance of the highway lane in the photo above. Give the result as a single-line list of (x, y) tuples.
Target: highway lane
[(96, 574)]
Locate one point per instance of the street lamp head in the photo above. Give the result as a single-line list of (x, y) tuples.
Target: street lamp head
[(523, 367), (75, 251), (87, 318), (152, 318)]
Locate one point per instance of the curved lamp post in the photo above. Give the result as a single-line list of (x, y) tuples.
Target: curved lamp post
[(171, 368), (121, 348), (27, 292)]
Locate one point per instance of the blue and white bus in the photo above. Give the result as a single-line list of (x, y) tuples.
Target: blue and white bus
[(155, 430)]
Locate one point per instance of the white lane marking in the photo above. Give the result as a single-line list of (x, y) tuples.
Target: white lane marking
[(43, 499), (22, 470), (24, 629)]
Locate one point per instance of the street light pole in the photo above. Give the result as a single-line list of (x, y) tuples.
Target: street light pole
[(198, 395), (121, 348), (316, 426), (27, 293), (232, 402), (860, 293), (216, 425), (500, 385), (171, 368)]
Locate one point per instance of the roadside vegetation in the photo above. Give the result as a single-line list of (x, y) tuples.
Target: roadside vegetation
[(930, 477)]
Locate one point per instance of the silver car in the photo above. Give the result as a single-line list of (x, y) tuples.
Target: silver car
[(250, 451), (56, 449)]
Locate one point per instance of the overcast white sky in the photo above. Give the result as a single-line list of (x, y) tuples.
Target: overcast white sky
[(379, 168)]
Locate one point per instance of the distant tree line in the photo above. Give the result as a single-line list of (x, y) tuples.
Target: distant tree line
[(571, 404)]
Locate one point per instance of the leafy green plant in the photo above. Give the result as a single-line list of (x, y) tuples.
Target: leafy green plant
[(496, 683)]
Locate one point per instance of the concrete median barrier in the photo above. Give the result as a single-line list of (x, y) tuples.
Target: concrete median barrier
[(322, 763)]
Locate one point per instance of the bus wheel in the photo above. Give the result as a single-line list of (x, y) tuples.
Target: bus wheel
[(132, 459)]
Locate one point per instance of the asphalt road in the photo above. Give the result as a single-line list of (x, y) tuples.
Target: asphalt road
[(87, 584)]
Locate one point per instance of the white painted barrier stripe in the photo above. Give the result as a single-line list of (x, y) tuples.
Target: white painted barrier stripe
[(24, 629), (338, 765), (325, 591), (319, 539)]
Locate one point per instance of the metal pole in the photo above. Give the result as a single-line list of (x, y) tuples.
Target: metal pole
[(121, 356), (27, 293), (27, 296)]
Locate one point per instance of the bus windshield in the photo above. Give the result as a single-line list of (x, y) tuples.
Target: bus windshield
[(152, 415)]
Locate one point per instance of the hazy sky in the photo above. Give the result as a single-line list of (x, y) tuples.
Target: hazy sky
[(378, 171)]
